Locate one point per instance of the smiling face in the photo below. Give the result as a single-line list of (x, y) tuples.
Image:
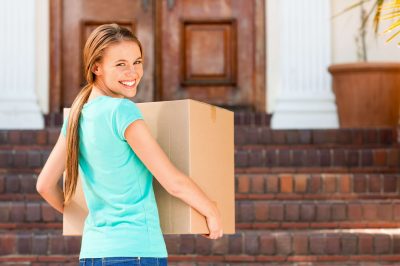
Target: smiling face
[(120, 70)]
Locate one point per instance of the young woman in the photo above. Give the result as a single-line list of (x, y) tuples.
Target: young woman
[(106, 139)]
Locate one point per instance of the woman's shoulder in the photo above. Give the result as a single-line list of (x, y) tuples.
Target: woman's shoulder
[(123, 106)]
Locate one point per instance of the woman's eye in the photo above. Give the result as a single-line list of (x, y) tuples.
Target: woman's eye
[(121, 64)]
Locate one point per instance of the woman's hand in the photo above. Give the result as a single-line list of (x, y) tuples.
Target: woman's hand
[(214, 224)]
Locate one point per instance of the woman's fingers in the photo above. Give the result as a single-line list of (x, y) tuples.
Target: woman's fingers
[(214, 234)]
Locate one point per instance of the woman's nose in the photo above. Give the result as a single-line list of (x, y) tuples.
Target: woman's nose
[(132, 71)]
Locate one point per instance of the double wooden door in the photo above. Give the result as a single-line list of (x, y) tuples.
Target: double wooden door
[(208, 50)]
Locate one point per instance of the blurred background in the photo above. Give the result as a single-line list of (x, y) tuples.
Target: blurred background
[(314, 89)]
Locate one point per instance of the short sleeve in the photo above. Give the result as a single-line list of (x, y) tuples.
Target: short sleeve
[(64, 126), (125, 113)]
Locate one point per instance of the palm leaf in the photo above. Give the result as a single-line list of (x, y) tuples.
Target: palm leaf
[(393, 36), (393, 26), (390, 15), (377, 18), (394, 13), (384, 10)]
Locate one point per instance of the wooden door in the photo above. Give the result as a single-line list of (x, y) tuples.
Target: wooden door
[(209, 50), (212, 51)]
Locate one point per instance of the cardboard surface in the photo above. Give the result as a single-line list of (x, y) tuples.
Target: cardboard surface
[(198, 138)]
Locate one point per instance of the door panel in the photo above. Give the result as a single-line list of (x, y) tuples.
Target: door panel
[(208, 52)]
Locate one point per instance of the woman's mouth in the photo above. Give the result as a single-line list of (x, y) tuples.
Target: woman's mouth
[(128, 83)]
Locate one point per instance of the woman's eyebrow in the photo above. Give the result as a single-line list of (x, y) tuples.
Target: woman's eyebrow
[(126, 60)]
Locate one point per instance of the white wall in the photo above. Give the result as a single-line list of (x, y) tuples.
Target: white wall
[(344, 30)]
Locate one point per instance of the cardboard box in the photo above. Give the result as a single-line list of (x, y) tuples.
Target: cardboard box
[(198, 138)]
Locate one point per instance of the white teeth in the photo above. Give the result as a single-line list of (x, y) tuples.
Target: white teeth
[(128, 83)]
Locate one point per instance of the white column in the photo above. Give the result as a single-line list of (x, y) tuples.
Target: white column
[(19, 108), (299, 52)]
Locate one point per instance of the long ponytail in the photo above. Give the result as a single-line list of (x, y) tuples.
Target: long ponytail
[(101, 38)]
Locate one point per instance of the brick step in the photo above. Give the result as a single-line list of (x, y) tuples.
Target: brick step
[(17, 148), (252, 118), (352, 137), (258, 170), (53, 122), (259, 214), (239, 226), (15, 215), (16, 197), (244, 244), (244, 134), (317, 186), (265, 156), (241, 117), (275, 197), (46, 136), (20, 171), (35, 226), (249, 156), (31, 197), (255, 170), (314, 170), (318, 214), (283, 186), (220, 260), (24, 157)]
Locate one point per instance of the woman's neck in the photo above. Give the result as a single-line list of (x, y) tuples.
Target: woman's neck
[(97, 90)]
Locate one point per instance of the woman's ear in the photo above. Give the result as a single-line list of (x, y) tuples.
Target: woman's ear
[(96, 69)]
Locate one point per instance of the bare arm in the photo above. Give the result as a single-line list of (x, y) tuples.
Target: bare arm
[(53, 169), (174, 181)]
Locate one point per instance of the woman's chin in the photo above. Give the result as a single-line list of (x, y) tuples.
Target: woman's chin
[(132, 93)]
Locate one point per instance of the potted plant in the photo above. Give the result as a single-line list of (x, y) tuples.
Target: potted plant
[(368, 93)]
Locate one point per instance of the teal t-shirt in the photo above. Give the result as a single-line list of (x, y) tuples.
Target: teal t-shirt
[(123, 219)]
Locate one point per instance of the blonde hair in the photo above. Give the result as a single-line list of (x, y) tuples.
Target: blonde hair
[(98, 41)]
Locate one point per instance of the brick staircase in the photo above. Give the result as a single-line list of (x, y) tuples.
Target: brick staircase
[(303, 197)]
